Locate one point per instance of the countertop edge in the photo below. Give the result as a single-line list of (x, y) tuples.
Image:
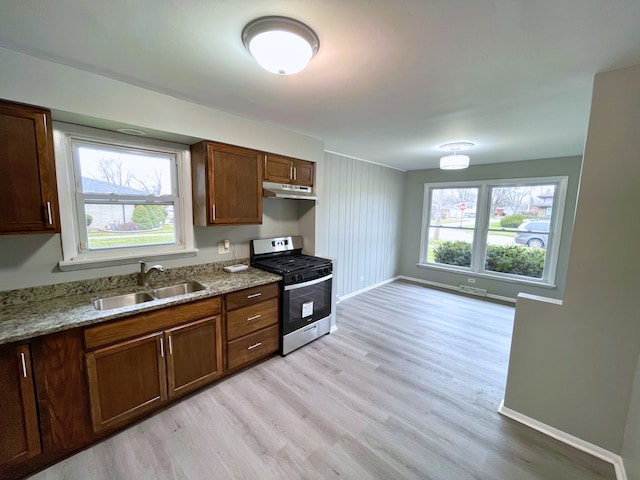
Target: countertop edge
[(25, 322)]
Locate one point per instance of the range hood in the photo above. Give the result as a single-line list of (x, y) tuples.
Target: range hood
[(284, 190)]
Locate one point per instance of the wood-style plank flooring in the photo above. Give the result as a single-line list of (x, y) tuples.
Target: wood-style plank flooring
[(406, 388)]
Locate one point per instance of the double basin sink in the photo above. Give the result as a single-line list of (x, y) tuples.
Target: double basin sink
[(129, 299)]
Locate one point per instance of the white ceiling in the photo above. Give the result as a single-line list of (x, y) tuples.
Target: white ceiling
[(393, 79)]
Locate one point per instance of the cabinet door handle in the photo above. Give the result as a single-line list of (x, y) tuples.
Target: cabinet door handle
[(24, 365), (213, 212), (290, 171), (295, 173), (254, 295), (170, 345), (161, 348), (255, 345), (255, 317), (49, 215)]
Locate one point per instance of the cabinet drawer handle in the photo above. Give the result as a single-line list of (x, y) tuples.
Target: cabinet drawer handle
[(161, 348), (255, 317), (49, 215), (170, 345), (254, 346), (254, 295), (24, 365)]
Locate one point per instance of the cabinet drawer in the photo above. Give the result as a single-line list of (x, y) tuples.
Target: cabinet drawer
[(140, 324), (253, 346), (251, 296), (250, 319)]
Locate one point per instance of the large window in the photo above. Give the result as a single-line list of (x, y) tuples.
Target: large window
[(508, 228), (121, 197)]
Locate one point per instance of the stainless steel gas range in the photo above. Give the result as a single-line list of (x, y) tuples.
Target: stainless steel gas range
[(305, 312)]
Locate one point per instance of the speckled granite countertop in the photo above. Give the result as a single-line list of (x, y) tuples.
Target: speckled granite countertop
[(32, 312)]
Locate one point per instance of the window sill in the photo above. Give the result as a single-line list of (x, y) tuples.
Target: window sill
[(86, 263), (501, 278)]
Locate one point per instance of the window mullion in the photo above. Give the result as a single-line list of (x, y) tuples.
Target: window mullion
[(480, 234)]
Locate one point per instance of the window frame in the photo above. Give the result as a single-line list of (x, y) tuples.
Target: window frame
[(74, 252), (483, 217)]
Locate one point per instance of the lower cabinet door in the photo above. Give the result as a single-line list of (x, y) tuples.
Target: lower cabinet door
[(19, 432), (126, 380), (194, 355)]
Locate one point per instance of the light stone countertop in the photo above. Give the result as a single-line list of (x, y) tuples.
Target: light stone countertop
[(39, 311)]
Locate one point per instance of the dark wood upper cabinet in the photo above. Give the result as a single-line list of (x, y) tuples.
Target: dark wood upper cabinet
[(280, 169), (28, 192), (227, 184), (19, 432)]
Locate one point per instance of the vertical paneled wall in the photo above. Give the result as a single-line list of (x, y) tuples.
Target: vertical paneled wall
[(361, 224)]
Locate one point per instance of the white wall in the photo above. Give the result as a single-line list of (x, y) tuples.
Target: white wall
[(31, 260), (572, 366), (362, 205)]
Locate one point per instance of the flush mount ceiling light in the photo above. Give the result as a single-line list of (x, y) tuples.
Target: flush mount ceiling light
[(280, 45), (455, 162)]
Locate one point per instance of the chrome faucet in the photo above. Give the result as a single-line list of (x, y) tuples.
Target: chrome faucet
[(143, 278)]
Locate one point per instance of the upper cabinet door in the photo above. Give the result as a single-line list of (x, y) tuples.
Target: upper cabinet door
[(28, 192), (227, 184), (288, 170), (303, 172), (278, 169)]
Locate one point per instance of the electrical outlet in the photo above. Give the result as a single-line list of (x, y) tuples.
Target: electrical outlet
[(471, 280), (223, 247)]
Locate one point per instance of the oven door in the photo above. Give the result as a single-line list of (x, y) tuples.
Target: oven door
[(305, 303)]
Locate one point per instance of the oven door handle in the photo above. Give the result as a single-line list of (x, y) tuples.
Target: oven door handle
[(307, 284)]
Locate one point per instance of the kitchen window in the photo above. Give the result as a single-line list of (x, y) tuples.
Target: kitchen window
[(506, 229), (123, 199)]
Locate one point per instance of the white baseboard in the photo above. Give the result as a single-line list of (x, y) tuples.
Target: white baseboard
[(453, 288), (370, 287), (590, 448)]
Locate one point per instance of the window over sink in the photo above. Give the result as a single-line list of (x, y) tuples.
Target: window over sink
[(122, 198)]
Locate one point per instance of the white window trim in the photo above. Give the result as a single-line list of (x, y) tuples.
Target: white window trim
[(72, 256), (482, 225)]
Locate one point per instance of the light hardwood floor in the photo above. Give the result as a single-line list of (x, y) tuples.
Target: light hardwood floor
[(406, 388)]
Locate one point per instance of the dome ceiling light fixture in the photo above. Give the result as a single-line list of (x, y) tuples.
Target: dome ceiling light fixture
[(455, 162), (280, 45)]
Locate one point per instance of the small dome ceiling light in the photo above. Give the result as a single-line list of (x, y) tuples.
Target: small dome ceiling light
[(280, 45), (455, 162)]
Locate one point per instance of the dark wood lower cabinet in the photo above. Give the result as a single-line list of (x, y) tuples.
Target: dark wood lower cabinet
[(19, 432), (62, 392), (195, 355), (126, 380)]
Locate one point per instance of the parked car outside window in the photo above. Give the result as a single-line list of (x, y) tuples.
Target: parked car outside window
[(533, 233)]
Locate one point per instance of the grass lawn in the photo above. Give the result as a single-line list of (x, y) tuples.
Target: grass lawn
[(131, 239)]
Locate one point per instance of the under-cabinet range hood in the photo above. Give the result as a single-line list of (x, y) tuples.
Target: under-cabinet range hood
[(284, 190)]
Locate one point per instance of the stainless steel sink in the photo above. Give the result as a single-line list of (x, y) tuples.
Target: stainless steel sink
[(119, 301), (122, 301), (175, 290)]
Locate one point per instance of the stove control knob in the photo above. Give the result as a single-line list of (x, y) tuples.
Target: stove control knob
[(293, 278), (299, 277)]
